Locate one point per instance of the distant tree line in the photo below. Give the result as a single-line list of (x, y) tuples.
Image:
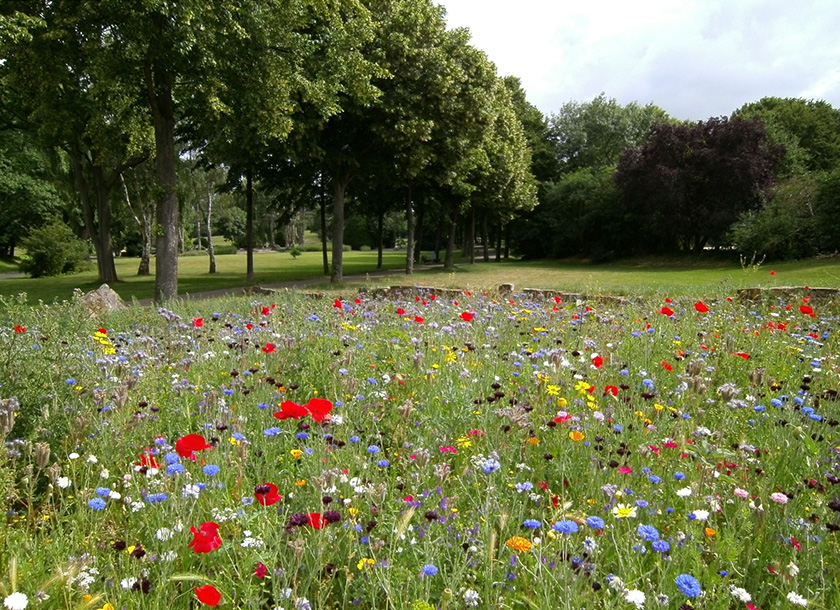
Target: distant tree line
[(150, 127)]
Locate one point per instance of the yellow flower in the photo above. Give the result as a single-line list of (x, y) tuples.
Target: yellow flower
[(296, 453), (464, 442), (710, 532), (365, 562), (300, 483), (518, 544), (582, 387), (562, 402), (576, 435), (353, 511), (553, 390), (533, 440)]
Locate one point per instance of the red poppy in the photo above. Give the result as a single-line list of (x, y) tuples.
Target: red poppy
[(611, 389), (558, 300), (260, 571), (701, 307), (597, 362), (249, 326), (148, 460), (772, 273), (266, 311), (337, 304), (206, 538), (198, 322), (418, 319), (562, 418), (269, 348), (102, 331), (185, 445), (358, 300), (319, 408), (467, 316), (291, 409), (20, 329), (266, 494), (400, 311), (666, 366), (743, 355), (316, 520), (208, 594), (807, 311), (667, 311)]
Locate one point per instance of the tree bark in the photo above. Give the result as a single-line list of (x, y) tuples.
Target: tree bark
[(249, 227), (324, 228), (211, 251), (418, 250), (409, 246), (98, 221), (340, 181), (159, 83)]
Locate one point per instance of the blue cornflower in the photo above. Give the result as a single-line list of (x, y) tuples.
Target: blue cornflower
[(654, 479), (776, 402), (171, 458), (273, 431), (642, 503), (373, 449), (758, 408), (70, 381), (595, 522), (103, 491), (648, 532), (155, 498), (228, 391), (490, 465), (238, 436), (262, 405), (211, 470), (660, 546), (383, 463), (526, 486), (532, 523), (97, 504), (688, 585), (429, 569), (175, 469), (302, 436), (805, 410), (354, 439), (679, 476), (566, 526)]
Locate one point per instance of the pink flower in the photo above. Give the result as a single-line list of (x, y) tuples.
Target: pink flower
[(741, 493), (779, 498)]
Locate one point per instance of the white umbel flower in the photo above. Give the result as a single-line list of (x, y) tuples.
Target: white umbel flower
[(635, 596), (16, 601), (794, 598)]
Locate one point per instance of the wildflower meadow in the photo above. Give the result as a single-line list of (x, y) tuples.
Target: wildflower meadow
[(421, 452)]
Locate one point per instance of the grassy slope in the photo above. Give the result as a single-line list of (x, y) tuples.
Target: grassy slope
[(637, 277)]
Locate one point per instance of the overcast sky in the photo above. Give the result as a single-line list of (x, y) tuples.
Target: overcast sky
[(693, 58)]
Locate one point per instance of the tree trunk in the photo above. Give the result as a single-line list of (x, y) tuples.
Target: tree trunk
[(211, 251), (442, 222), (249, 227), (159, 82), (498, 243), (324, 228), (98, 232), (507, 241), (270, 219), (339, 187), (485, 246), (418, 251), (380, 222), (198, 232), (449, 262), (409, 246), (471, 235)]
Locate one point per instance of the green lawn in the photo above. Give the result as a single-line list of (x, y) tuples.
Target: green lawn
[(646, 276), (8, 266), (270, 268)]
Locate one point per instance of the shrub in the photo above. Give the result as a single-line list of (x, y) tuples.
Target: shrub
[(53, 249), (295, 252)]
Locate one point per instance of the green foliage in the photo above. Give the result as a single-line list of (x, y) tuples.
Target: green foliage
[(827, 211), (785, 227), (295, 252), (53, 250)]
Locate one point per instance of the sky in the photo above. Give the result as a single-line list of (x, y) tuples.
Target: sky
[(693, 58)]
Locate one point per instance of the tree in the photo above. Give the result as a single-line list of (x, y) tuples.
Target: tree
[(594, 134), (688, 183), (809, 130), (544, 163), (57, 82)]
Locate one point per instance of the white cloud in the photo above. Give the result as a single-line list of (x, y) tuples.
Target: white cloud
[(694, 58)]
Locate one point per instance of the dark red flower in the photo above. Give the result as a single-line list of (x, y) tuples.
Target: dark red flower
[(319, 408), (208, 594), (266, 494), (206, 538), (185, 445), (291, 409), (260, 571)]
